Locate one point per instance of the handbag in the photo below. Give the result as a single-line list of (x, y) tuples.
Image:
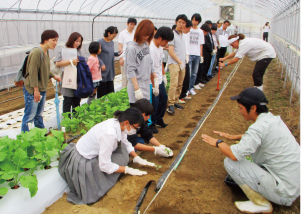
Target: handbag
[(70, 77)]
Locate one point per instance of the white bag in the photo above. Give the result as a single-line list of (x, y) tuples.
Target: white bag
[(70, 77)]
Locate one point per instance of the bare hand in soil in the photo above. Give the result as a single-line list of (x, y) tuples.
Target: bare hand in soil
[(210, 140), (225, 135)]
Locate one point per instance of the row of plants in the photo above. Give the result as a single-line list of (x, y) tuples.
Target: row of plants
[(33, 150), (21, 157), (86, 116)]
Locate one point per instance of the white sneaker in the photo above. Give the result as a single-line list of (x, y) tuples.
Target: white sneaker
[(197, 87), (182, 101), (187, 98), (250, 207), (191, 91), (201, 85)]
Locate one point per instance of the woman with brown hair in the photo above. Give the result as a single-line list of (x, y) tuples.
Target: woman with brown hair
[(139, 65), (75, 41), (256, 49)]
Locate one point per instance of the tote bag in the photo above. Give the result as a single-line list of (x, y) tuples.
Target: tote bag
[(70, 77)]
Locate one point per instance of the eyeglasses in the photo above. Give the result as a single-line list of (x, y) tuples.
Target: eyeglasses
[(137, 129)]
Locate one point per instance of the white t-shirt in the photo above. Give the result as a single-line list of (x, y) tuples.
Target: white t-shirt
[(255, 49), (102, 140), (186, 38), (124, 37), (196, 38), (222, 36), (266, 28), (157, 57)]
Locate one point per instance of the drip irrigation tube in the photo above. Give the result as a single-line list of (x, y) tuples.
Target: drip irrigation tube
[(142, 196), (180, 156)]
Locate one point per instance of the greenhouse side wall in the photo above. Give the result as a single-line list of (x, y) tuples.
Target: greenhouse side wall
[(285, 37)]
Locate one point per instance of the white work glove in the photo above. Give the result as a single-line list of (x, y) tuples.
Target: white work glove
[(131, 171), (156, 87), (201, 59), (182, 66), (138, 94), (141, 161), (164, 79), (219, 47), (163, 151), (187, 59)]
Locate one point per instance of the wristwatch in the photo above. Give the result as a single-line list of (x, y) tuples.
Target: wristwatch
[(218, 142)]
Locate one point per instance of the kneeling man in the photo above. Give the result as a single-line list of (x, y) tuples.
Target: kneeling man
[(275, 173)]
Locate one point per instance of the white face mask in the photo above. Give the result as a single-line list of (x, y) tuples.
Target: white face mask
[(132, 132)]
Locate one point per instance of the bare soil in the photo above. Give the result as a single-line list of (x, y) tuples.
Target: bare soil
[(15, 99), (197, 186)]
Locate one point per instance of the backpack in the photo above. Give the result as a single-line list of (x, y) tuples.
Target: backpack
[(84, 79), (22, 72)]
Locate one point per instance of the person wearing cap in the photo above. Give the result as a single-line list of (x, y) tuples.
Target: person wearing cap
[(256, 49), (274, 174)]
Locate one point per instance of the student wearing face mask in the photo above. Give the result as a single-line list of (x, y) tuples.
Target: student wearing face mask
[(93, 165)]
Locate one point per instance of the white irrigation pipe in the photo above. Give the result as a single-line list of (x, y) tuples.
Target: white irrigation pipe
[(212, 107)]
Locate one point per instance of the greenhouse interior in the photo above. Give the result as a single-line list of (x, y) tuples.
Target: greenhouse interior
[(148, 106)]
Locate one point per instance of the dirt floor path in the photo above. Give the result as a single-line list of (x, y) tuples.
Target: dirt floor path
[(197, 186)]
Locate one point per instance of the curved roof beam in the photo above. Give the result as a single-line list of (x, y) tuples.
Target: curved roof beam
[(144, 2), (51, 8), (149, 7), (11, 7), (78, 12), (130, 6), (93, 6)]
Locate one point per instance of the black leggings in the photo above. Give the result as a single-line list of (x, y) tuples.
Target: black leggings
[(259, 70), (265, 36), (105, 88), (70, 101)]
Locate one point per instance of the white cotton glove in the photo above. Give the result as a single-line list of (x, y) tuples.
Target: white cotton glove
[(163, 151), (141, 161), (201, 59), (131, 171), (168, 150), (219, 47), (215, 51), (138, 94), (182, 66), (156, 87), (164, 79), (187, 59)]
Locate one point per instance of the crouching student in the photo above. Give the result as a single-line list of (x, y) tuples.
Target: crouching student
[(274, 174), (161, 39), (93, 165), (146, 108)]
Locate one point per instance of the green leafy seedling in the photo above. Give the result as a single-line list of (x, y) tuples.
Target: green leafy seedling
[(158, 167), (167, 150)]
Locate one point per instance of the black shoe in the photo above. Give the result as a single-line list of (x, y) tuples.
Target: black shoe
[(171, 109), (161, 124), (203, 81), (154, 129), (177, 105)]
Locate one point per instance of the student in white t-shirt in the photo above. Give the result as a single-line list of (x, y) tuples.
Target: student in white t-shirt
[(266, 30), (256, 49), (161, 39), (195, 50), (125, 36)]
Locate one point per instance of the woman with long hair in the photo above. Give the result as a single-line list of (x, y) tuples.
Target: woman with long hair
[(70, 100), (139, 65)]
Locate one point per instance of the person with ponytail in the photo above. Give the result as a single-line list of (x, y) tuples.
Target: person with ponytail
[(107, 56), (93, 165), (256, 49)]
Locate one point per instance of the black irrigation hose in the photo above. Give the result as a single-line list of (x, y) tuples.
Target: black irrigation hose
[(142, 196), (182, 152)]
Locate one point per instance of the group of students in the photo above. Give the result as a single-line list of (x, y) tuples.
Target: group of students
[(93, 165)]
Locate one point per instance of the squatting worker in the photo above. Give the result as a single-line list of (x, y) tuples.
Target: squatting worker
[(93, 165), (274, 174), (256, 49)]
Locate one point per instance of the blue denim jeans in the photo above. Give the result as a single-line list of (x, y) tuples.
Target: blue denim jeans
[(194, 62), (211, 65), (33, 111), (159, 103)]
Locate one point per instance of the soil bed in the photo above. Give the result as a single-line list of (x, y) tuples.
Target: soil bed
[(197, 186)]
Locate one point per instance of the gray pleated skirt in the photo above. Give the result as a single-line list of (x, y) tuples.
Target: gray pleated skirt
[(144, 86), (86, 182)]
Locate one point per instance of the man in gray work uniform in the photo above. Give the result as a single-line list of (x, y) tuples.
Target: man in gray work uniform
[(275, 173)]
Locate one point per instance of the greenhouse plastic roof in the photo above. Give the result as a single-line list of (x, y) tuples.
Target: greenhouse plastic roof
[(142, 8)]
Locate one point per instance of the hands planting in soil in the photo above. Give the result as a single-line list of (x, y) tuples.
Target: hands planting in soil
[(143, 162), (131, 171), (163, 151), (210, 140), (228, 136)]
